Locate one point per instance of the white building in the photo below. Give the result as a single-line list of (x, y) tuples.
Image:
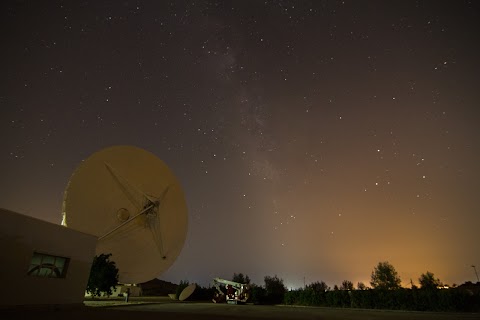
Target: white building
[(42, 263)]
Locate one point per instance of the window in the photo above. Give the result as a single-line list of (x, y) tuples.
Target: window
[(48, 266)]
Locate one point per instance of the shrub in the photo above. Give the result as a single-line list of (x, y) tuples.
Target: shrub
[(258, 295), (275, 290)]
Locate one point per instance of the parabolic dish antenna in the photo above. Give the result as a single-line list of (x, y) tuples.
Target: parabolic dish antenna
[(187, 292), (133, 203)]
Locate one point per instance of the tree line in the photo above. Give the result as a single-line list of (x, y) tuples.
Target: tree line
[(385, 292)]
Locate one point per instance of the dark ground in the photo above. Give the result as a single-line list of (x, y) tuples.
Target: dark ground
[(162, 308)]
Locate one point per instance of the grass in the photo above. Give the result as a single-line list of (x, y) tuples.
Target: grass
[(149, 308)]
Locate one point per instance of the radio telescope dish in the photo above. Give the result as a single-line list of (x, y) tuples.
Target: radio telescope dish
[(187, 292), (134, 204)]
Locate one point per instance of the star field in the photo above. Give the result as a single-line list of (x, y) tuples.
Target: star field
[(312, 139)]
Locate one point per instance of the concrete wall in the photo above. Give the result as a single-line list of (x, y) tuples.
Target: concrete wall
[(20, 237)]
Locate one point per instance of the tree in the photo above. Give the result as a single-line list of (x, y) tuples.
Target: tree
[(103, 276), (428, 281), (275, 289), (258, 295), (346, 285), (413, 285), (240, 278), (319, 287), (361, 286), (384, 276)]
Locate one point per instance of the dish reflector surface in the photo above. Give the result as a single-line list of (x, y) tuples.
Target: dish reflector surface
[(131, 200), (187, 292)]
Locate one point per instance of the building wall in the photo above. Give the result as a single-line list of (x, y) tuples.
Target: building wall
[(20, 237)]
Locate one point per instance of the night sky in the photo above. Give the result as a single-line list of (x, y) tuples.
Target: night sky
[(312, 138)]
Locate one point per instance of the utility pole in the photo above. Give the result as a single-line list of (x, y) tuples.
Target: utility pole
[(475, 269)]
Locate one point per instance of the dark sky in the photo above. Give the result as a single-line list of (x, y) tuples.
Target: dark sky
[(312, 138)]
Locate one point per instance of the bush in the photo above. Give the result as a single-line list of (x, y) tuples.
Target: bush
[(203, 294), (103, 276), (275, 290), (258, 295), (453, 300), (338, 298), (361, 299)]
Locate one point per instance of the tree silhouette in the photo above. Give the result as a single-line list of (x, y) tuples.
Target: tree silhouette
[(384, 277), (361, 286), (346, 285), (427, 281), (275, 289), (103, 276), (240, 278), (319, 287)]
